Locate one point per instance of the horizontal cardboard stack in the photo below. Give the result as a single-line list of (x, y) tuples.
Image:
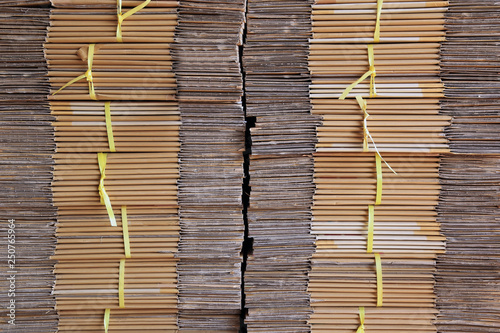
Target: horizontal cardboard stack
[(210, 87), (376, 167), (116, 166), (467, 277), (418, 122), (281, 168), (27, 143), (81, 126), (467, 282), (139, 68), (470, 74)]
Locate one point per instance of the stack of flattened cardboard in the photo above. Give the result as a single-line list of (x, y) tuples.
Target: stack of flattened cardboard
[(281, 166), (469, 212), (210, 88), (470, 74), (116, 166), (27, 216), (376, 167)]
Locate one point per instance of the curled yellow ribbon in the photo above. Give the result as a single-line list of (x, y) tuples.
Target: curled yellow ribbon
[(126, 239), (380, 285), (371, 72), (371, 227), (102, 159), (363, 105), (361, 328), (376, 35), (109, 126), (87, 75), (107, 314), (121, 284), (122, 17)]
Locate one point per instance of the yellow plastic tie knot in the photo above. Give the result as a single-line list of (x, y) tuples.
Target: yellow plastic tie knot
[(361, 328), (371, 72), (87, 75), (121, 17)]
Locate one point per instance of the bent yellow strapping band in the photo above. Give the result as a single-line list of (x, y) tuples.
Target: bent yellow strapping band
[(363, 105), (109, 126), (126, 239), (371, 227), (107, 314), (380, 285), (378, 164), (361, 328), (122, 17), (376, 35), (87, 75), (371, 72), (121, 284), (102, 159)]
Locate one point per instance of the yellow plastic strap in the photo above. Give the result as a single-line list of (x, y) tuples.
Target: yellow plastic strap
[(87, 75), (380, 286), (371, 226), (126, 239), (122, 17), (376, 35), (378, 164), (370, 72), (121, 284), (373, 73), (361, 328), (107, 314), (109, 126), (102, 158), (363, 105)]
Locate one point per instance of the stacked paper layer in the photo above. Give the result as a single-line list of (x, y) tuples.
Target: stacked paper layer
[(139, 68), (137, 126), (210, 86), (467, 277), (376, 172), (27, 143), (470, 74), (281, 167), (116, 167)]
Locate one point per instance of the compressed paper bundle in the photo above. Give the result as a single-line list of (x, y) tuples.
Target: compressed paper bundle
[(92, 55), (151, 236), (470, 74), (130, 179), (119, 71), (376, 172), (467, 276), (351, 21), (210, 86), (27, 143), (83, 126), (346, 184), (346, 319), (280, 167), (152, 320), (395, 125), (116, 167)]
